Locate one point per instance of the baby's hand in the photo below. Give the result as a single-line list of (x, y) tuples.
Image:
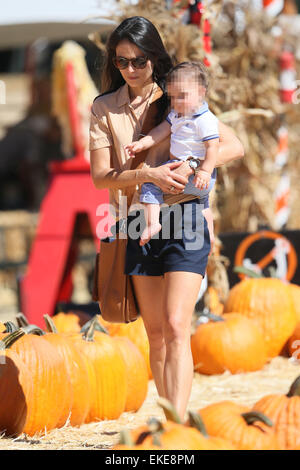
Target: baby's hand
[(133, 148), (202, 179)]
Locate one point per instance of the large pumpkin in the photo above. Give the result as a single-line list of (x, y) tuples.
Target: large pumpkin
[(16, 390), (269, 303), (77, 370), (51, 400), (232, 343), (239, 424), (135, 331), (107, 374), (284, 411), (136, 373)]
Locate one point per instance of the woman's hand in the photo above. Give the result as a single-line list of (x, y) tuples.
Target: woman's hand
[(170, 175)]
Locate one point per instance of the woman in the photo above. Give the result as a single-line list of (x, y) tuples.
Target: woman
[(166, 274)]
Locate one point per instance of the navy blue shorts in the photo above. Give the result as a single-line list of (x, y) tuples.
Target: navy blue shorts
[(183, 244)]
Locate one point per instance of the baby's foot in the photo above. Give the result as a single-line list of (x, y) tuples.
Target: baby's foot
[(149, 232)]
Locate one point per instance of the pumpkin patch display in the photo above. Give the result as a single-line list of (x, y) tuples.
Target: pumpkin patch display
[(232, 343), (247, 429), (171, 434), (284, 411), (269, 303)]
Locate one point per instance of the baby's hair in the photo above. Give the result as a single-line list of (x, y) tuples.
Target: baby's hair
[(197, 69)]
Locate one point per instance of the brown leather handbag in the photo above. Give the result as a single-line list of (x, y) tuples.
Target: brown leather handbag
[(113, 289)]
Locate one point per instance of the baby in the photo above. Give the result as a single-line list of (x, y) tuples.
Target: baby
[(194, 137)]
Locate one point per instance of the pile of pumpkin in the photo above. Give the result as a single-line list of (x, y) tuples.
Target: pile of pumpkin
[(48, 379), (271, 424), (259, 321)]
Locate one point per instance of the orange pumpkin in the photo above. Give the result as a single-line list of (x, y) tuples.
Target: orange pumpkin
[(70, 322), (269, 303), (77, 370), (284, 411), (135, 331), (173, 434), (136, 373), (16, 390), (240, 425), (232, 343), (107, 374), (51, 400)]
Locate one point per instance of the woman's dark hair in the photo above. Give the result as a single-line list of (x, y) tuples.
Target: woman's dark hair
[(143, 34)]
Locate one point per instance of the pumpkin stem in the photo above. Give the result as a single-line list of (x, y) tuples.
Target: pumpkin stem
[(247, 271), (156, 439), (155, 425), (206, 315), (196, 421), (125, 438), (294, 390), (88, 335), (33, 330), (50, 325), (21, 320), (10, 339), (98, 326), (251, 416), (169, 410), (155, 430), (10, 327)]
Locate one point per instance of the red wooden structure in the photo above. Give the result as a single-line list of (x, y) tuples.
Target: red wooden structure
[(71, 202)]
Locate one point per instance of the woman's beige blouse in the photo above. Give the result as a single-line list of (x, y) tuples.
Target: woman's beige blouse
[(114, 124)]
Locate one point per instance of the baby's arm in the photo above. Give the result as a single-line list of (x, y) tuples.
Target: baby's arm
[(202, 178), (156, 135)]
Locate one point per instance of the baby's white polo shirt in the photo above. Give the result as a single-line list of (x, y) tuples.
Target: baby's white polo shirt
[(188, 133)]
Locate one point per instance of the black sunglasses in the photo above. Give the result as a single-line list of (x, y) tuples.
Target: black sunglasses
[(122, 63)]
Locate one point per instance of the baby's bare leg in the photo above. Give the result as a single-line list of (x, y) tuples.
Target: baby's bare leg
[(152, 222)]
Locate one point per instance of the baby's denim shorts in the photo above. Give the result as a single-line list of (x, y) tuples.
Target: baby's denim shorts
[(183, 244)]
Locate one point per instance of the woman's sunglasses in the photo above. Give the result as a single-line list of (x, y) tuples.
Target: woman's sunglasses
[(122, 63)]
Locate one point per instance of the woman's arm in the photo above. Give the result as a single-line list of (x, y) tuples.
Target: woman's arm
[(230, 147), (104, 176)]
